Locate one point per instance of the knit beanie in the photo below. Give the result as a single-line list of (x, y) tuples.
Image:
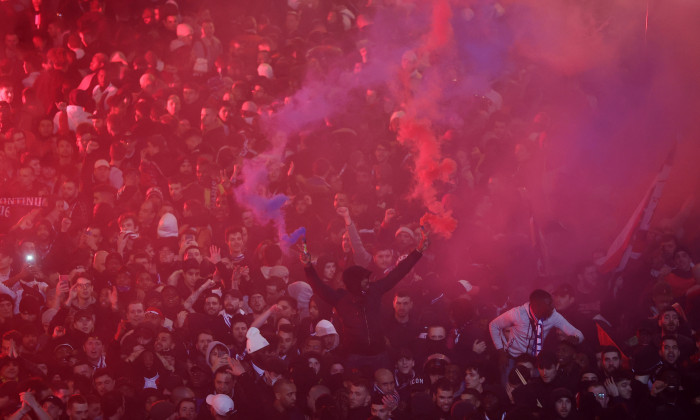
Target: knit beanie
[(167, 226), (255, 340)]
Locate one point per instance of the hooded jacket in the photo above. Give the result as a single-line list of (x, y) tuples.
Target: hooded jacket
[(211, 346), (359, 312)]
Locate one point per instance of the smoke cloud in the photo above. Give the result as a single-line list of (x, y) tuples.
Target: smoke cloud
[(591, 93)]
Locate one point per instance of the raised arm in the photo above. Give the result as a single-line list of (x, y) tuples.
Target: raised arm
[(326, 292), (359, 253), (29, 405), (385, 284), (263, 317), (188, 304), (390, 280)]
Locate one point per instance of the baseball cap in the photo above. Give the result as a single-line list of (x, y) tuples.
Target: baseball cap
[(152, 310), (222, 404), (100, 163), (324, 328)]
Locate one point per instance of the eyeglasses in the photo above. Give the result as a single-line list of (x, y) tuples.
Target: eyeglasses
[(84, 285)]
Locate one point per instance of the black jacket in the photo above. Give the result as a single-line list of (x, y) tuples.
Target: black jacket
[(359, 313)]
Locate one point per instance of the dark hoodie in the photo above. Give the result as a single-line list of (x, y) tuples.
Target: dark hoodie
[(359, 311)]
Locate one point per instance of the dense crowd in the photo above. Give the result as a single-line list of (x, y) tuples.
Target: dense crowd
[(136, 282)]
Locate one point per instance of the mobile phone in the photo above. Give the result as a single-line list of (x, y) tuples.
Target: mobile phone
[(29, 258), (63, 278)]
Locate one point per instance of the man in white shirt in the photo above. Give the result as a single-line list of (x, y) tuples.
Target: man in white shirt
[(529, 326)]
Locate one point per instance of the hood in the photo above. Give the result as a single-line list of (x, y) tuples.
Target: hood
[(211, 346), (353, 276)]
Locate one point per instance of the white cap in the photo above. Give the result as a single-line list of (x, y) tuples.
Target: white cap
[(265, 70), (222, 403), (324, 328), (100, 163)]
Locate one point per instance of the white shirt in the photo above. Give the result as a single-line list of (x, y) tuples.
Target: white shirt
[(523, 334)]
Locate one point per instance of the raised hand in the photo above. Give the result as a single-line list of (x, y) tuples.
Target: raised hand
[(181, 318), (304, 257), (72, 294), (344, 212), (235, 367), (114, 298), (214, 254), (13, 353), (92, 146), (208, 284), (135, 353), (611, 387), (62, 287), (28, 398), (240, 272), (389, 216), (390, 402)]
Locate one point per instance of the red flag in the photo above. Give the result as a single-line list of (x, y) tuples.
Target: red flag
[(622, 249), (604, 339)]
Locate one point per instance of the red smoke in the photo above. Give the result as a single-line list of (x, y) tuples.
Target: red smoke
[(430, 167), (417, 133), (441, 30)]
